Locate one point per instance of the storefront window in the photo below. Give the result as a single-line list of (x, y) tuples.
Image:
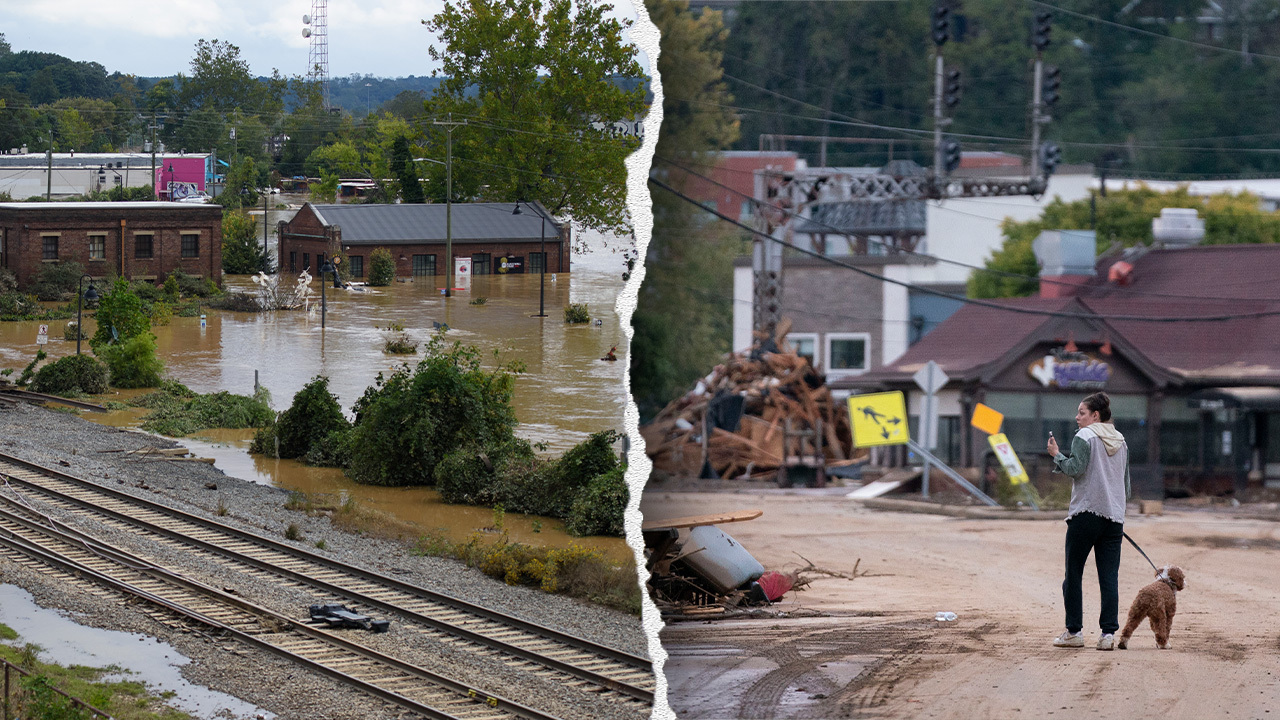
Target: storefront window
[(1179, 434)]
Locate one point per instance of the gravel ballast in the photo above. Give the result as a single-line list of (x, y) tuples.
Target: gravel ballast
[(78, 447)]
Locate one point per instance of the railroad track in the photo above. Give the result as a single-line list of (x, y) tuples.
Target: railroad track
[(400, 683), (523, 645)]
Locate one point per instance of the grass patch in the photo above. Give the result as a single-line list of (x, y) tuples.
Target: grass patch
[(124, 699), (478, 300), (7, 633), (178, 412), (575, 571), (293, 532)]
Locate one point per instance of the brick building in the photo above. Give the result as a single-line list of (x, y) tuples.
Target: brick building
[(487, 235), (136, 240)]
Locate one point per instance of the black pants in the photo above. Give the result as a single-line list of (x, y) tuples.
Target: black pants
[(1086, 532)]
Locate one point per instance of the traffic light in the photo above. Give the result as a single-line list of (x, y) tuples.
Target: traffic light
[(941, 24), (951, 88), (950, 156), (1052, 81), (1040, 33), (1050, 156)]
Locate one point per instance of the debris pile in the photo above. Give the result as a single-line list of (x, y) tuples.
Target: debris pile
[(766, 413)]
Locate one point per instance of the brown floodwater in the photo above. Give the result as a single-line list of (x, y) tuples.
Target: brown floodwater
[(566, 392)]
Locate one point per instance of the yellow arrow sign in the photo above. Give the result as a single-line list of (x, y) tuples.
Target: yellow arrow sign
[(879, 419), (1008, 459)]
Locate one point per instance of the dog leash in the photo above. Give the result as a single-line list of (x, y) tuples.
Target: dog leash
[(1135, 547)]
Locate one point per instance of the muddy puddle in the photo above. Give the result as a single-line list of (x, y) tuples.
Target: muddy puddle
[(566, 392), (140, 658)]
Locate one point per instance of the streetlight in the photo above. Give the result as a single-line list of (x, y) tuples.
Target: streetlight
[(542, 266), (91, 296)]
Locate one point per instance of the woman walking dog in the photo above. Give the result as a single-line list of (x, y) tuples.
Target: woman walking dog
[(1099, 470)]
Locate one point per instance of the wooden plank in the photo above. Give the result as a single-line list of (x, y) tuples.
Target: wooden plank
[(697, 520)]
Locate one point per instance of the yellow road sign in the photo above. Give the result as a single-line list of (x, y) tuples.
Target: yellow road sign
[(1008, 458), (986, 419), (879, 419)]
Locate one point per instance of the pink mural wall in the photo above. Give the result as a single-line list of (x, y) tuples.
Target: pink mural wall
[(178, 177)]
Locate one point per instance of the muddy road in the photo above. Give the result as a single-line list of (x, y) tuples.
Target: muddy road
[(870, 647)]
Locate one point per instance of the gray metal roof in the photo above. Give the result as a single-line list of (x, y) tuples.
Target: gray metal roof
[(867, 217), (418, 223)]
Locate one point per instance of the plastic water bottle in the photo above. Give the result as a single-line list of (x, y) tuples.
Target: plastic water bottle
[(945, 617)]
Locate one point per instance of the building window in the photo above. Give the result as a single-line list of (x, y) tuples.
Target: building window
[(806, 346), (293, 261), (142, 246), (50, 247), (306, 261), (97, 247), (481, 264), (424, 265), (190, 245), (847, 353), (537, 263), (357, 266)]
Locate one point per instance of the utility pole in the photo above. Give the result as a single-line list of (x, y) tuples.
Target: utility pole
[(449, 124), (1040, 41), (941, 33), (48, 189), (155, 184)]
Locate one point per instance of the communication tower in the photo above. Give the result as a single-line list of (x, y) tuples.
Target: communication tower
[(317, 30)]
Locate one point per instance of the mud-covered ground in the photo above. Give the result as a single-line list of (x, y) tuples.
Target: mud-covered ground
[(870, 647)]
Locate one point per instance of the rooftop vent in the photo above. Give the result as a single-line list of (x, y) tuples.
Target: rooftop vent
[(1178, 227)]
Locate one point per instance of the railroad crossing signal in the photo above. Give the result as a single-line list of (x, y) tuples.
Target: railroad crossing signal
[(879, 419), (1052, 81), (1050, 156), (950, 156), (1040, 32), (941, 24), (951, 89)]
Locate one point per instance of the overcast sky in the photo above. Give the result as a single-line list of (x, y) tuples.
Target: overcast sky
[(158, 37)]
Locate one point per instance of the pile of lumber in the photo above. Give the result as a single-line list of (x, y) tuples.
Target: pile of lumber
[(788, 417)]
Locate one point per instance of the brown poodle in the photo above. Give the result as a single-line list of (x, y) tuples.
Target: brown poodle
[(1158, 602)]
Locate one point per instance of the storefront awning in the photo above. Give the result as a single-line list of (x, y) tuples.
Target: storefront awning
[(1249, 398)]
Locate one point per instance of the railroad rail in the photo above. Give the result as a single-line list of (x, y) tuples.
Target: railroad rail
[(382, 676), (524, 644)]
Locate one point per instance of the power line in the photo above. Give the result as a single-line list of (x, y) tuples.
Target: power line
[(959, 298), (1003, 273)]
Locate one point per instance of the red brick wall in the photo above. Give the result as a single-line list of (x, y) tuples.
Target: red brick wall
[(294, 238), (24, 229)]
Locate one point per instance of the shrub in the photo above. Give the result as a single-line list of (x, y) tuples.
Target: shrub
[(481, 300), (171, 290), (242, 250), (554, 489), (399, 344), (600, 508), (72, 374), (486, 475), (133, 362), (577, 314), (120, 316), (408, 422), (193, 285), (146, 290), (72, 331), (8, 281), (314, 415), (333, 451), (382, 267), (30, 370), (237, 302), (57, 281)]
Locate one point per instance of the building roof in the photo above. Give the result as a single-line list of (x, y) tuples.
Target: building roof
[(128, 205), (91, 160), (1182, 283), (414, 223)]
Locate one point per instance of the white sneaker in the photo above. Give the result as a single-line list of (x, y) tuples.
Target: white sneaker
[(1069, 639), (1106, 642)]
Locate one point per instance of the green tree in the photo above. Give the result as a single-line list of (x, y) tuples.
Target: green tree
[(1122, 217), (242, 250), (241, 189), (341, 158), (407, 422), (325, 191), (533, 78), (406, 171), (120, 316), (220, 79), (682, 318)]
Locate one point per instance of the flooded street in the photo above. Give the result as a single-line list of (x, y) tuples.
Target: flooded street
[(566, 392)]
